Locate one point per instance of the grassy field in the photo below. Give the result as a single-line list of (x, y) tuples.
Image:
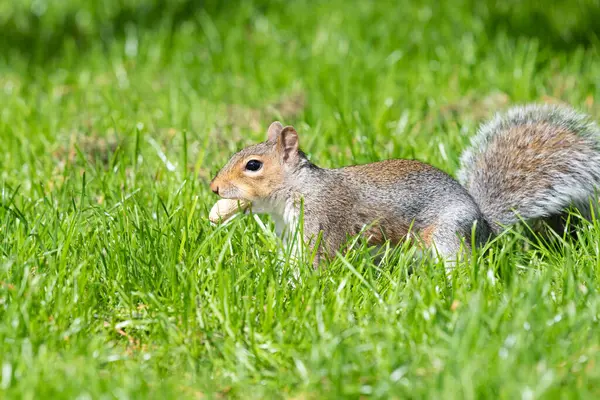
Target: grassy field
[(115, 115)]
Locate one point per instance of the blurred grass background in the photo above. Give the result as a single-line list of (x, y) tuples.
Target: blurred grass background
[(115, 115)]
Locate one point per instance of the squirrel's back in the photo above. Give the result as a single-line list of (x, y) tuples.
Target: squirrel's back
[(535, 160)]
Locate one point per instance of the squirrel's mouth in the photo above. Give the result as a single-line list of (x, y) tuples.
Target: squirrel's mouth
[(232, 193)]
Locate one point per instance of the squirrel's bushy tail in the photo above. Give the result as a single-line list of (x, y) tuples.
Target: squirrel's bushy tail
[(535, 161)]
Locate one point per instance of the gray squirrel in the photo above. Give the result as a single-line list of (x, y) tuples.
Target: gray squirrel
[(529, 163)]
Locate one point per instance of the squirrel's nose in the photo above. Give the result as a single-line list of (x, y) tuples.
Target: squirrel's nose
[(214, 188)]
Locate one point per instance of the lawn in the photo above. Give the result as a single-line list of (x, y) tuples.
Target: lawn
[(116, 114)]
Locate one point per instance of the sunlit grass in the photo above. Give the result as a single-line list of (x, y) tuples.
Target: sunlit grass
[(113, 282)]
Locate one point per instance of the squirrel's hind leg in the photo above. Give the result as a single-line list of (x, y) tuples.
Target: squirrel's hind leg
[(446, 247), (450, 241)]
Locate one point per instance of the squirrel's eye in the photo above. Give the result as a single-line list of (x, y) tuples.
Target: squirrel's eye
[(253, 165)]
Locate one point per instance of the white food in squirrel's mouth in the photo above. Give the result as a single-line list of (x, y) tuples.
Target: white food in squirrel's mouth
[(224, 209)]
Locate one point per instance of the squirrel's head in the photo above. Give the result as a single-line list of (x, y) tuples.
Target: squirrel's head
[(255, 172)]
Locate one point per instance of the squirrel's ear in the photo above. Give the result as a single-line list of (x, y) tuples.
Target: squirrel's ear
[(288, 143), (274, 131)]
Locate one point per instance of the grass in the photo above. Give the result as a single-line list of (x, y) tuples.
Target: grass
[(116, 114)]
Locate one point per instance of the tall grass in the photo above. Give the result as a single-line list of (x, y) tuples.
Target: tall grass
[(116, 114)]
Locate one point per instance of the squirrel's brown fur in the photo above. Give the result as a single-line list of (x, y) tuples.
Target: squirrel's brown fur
[(532, 162)]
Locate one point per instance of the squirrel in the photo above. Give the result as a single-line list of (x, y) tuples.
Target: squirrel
[(530, 163)]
